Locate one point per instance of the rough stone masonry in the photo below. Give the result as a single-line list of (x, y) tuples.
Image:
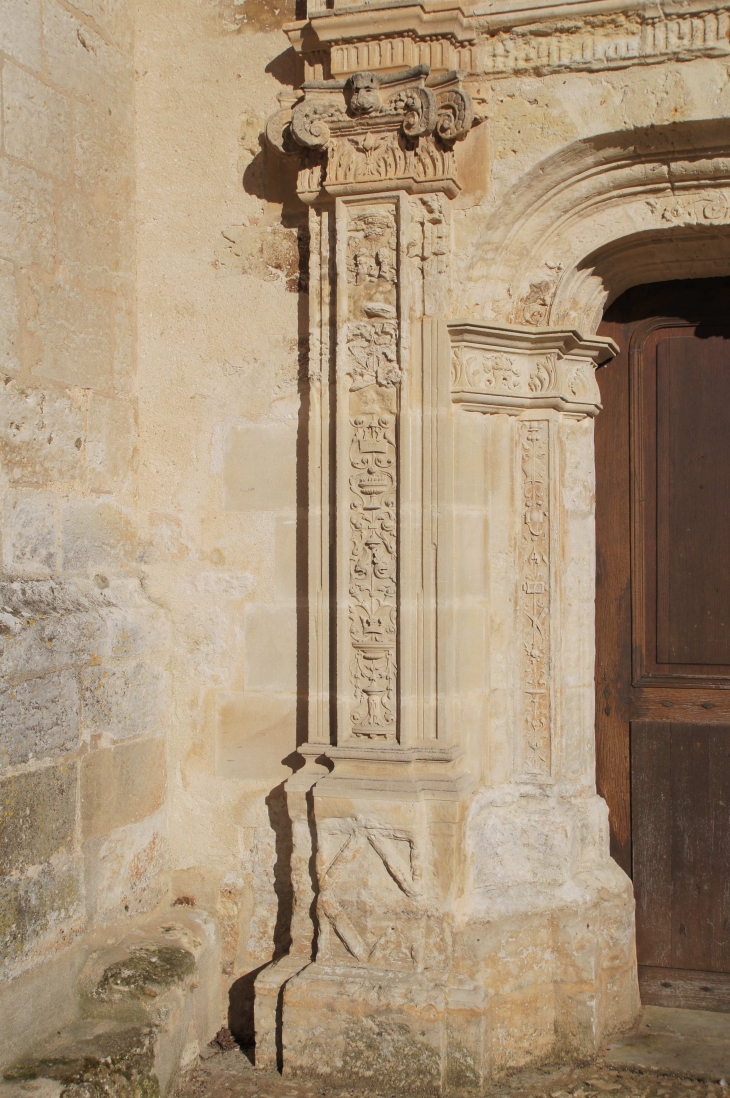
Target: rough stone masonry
[(298, 317)]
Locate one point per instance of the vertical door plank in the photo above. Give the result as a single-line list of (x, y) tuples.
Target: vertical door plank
[(651, 824), (691, 846), (613, 597), (696, 389), (720, 884)]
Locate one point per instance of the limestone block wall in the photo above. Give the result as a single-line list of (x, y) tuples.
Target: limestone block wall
[(222, 328), (83, 651), (152, 332)]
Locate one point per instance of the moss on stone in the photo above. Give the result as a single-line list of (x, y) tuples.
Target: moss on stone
[(113, 1064), (147, 971)]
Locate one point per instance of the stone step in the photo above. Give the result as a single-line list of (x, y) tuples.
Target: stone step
[(148, 1005)]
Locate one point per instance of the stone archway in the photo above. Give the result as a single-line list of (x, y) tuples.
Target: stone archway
[(466, 903)]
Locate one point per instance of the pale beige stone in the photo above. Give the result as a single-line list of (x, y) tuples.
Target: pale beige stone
[(110, 442), (9, 320), (124, 869), (20, 31), (92, 241), (286, 538), (124, 354), (465, 900), (36, 123), (259, 468), (27, 232), (269, 640), (123, 701), (113, 17), (101, 154), (41, 435), (256, 732), (30, 532), (71, 326), (79, 60), (40, 718), (95, 534), (121, 785)]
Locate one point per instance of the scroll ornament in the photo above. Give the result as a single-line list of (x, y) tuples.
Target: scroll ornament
[(376, 132)]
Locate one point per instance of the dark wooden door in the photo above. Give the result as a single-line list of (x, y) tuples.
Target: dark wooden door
[(663, 629)]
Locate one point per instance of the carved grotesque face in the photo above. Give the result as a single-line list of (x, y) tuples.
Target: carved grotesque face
[(365, 97)]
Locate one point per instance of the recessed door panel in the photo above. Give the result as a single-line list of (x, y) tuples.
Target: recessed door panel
[(663, 628)]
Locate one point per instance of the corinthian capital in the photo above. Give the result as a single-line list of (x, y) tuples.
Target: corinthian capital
[(376, 132)]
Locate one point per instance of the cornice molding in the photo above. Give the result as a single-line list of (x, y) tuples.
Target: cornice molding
[(510, 38), (501, 369)]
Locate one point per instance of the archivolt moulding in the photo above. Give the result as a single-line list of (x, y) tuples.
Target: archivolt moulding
[(605, 214)]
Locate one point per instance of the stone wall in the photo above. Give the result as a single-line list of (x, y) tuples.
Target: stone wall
[(149, 514), (222, 328), (155, 436), (83, 652)]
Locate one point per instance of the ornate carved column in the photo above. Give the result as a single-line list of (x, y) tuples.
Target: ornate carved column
[(378, 169)]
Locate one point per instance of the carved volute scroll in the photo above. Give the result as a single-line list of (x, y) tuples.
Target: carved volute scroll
[(376, 132)]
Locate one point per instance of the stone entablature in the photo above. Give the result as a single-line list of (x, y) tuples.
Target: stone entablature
[(537, 40)]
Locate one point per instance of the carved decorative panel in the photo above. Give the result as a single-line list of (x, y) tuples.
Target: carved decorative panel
[(534, 597), (370, 376)]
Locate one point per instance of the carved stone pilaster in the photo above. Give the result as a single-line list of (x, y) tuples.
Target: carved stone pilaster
[(386, 824), (545, 380)]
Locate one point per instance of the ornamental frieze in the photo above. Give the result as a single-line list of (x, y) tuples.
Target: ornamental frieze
[(511, 369)]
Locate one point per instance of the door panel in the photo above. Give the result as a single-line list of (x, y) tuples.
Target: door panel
[(663, 628)]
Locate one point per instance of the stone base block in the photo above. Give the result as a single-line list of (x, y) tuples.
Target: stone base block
[(270, 984), (386, 1032)]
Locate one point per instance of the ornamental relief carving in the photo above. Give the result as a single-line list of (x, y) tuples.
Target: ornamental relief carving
[(369, 364), (712, 208), (520, 380), (371, 248), (357, 861), (373, 129), (373, 354), (373, 578), (534, 597)]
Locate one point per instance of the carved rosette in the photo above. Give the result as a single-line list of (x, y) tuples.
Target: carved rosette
[(372, 131), (534, 588)]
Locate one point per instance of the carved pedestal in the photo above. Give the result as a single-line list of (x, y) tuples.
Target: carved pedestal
[(449, 687)]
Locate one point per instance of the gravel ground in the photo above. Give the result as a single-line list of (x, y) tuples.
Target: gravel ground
[(230, 1074)]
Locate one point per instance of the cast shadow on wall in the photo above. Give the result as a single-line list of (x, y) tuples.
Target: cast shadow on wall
[(263, 177)]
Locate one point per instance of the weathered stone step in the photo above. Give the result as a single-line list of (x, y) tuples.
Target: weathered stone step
[(148, 1005)]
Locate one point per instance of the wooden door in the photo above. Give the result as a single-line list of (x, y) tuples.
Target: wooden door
[(663, 629)]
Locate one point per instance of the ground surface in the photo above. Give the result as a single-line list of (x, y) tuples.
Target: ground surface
[(672, 1054)]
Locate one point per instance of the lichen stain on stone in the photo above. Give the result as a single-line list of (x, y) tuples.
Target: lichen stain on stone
[(236, 16), (147, 971), (33, 907), (117, 1064)]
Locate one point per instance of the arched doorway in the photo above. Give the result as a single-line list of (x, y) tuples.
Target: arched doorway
[(663, 628)]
